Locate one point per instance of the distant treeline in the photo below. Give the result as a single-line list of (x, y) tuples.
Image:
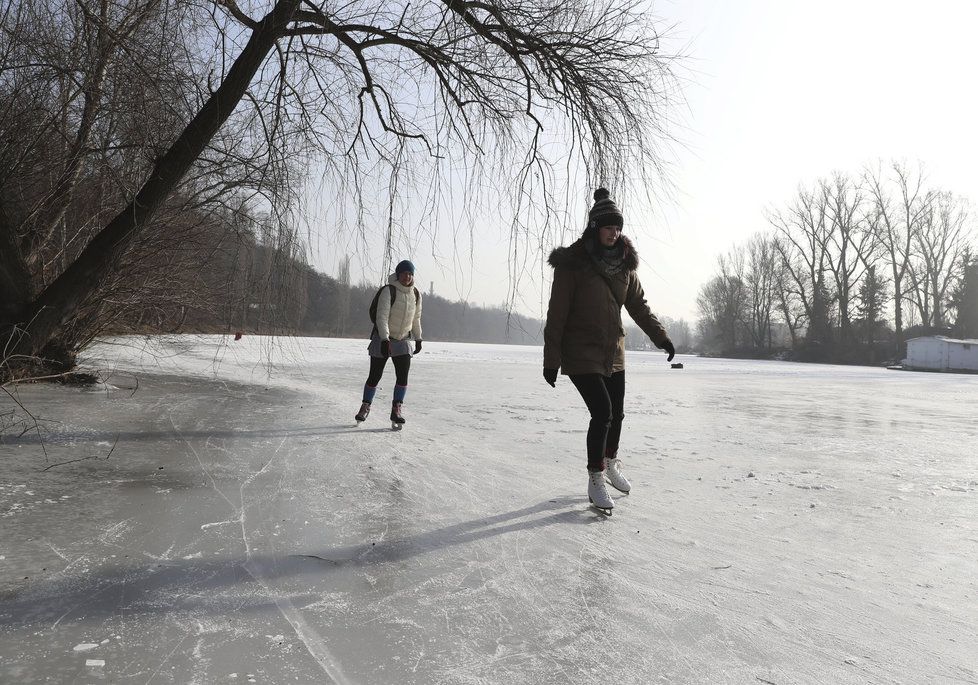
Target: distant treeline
[(850, 269), (258, 288), (337, 310)]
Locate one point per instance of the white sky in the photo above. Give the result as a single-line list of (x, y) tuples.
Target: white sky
[(780, 93)]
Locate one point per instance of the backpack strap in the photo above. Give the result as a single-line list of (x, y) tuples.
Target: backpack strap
[(393, 295), (417, 301)]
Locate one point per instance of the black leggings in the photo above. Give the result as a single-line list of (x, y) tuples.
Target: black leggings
[(402, 366), (605, 399)]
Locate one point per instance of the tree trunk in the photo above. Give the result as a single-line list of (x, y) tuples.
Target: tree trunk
[(897, 317), (15, 279), (59, 302)]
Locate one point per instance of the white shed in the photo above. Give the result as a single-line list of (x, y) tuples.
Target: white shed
[(937, 353)]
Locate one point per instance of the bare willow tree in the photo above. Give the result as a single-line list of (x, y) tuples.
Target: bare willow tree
[(90, 95), (364, 87)]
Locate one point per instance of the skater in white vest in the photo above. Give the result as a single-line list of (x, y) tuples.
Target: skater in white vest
[(397, 321), (584, 337)]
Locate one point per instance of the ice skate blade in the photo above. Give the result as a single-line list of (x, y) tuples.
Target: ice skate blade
[(396, 426), (607, 511)]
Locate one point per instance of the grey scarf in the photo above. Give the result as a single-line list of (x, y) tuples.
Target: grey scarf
[(607, 260)]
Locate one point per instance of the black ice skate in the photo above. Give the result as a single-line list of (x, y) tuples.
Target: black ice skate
[(397, 421), (363, 413)]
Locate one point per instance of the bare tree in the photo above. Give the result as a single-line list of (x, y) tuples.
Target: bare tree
[(680, 332), (871, 299), (803, 235), (90, 93), (760, 282), (722, 304), (349, 84), (344, 280), (938, 247), (896, 223), (789, 303)]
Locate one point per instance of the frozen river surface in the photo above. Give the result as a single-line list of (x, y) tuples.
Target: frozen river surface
[(195, 520)]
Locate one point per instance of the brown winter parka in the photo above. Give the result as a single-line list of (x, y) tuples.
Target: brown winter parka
[(584, 332)]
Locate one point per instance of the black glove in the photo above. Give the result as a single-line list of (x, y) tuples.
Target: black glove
[(550, 375), (417, 346), (668, 347), (385, 348)]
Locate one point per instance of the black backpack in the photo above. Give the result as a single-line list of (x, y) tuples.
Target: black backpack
[(373, 303)]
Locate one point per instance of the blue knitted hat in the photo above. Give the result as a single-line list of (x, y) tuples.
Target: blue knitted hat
[(406, 265)]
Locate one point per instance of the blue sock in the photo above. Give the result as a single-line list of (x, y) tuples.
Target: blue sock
[(368, 393), (399, 392)]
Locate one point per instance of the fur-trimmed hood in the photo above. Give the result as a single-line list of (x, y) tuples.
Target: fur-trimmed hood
[(575, 255), (584, 331)]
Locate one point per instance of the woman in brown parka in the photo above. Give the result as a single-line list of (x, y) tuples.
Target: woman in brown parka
[(584, 337)]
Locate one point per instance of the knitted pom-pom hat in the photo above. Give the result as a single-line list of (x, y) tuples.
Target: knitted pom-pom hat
[(604, 212)]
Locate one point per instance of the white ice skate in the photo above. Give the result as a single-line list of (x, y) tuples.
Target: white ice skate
[(614, 476), (597, 492)]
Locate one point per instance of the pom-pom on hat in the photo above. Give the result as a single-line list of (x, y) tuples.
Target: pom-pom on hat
[(403, 266), (604, 212)]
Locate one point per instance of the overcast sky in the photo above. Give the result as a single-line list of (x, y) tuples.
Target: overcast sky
[(779, 93)]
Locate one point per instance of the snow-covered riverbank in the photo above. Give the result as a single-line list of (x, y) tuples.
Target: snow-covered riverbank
[(788, 523)]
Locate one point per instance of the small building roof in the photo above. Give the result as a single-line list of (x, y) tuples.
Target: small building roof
[(944, 338)]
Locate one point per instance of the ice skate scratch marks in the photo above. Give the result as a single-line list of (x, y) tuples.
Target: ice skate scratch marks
[(163, 663), (57, 551), (306, 634), (113, 533), (587, 607), (202, 467), (313, 642)]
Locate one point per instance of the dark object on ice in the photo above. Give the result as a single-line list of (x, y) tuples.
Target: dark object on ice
[(238, 335), (750, 474), (677, 365)]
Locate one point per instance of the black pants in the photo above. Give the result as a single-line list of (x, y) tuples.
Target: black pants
[(605, 399), (402, 366)]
